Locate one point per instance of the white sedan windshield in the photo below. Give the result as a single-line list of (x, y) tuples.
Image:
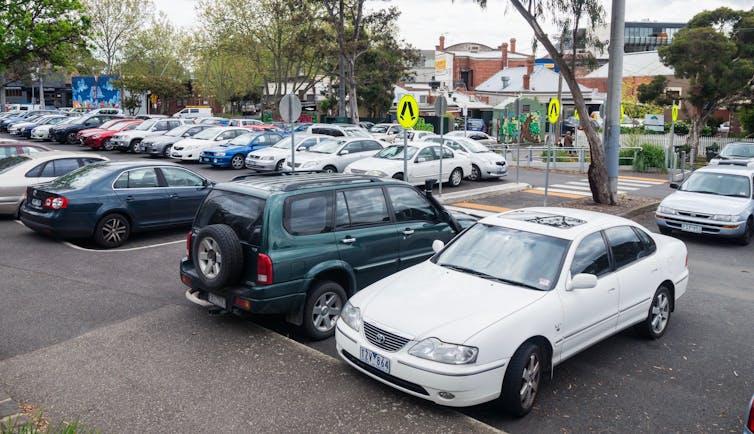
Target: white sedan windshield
[(722, 184), (506, 255), (395, 152)]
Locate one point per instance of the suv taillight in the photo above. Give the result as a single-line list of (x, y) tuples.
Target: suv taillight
[(264, 269), (188, 244)]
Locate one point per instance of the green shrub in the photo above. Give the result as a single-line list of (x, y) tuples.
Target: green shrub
[(682, 128), (649, 156), (626, 156)]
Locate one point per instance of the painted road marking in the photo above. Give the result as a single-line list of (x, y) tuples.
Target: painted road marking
[(580, 188), (481, 207), (556, 193)]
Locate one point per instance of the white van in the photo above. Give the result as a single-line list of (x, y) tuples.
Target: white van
[(194, 111)]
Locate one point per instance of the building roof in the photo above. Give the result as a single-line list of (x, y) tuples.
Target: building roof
[(639, 64), (497, 54), (542, 80)]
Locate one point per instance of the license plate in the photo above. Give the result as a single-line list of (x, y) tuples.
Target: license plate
[(375, 360), (36, 203), (216, 300), (686, 227)]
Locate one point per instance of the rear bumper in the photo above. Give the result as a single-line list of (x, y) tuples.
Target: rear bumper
[(55, 223)]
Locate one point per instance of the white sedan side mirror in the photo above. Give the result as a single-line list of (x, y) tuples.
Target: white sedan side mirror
[(437, 245), (582, 281)]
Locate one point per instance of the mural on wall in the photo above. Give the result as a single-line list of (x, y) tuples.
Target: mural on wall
[(95, 91)]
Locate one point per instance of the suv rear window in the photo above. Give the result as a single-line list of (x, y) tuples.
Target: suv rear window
[(241, 212), (308, 214)]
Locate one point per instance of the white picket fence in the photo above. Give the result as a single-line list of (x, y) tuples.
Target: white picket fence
[(664, 140)]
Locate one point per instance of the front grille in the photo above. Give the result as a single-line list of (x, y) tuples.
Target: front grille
[(208, 154), (387, 377), (254, 157), (694, 214), (358, 171), (382, 339)]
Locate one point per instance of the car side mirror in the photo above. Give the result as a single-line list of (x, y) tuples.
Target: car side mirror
[(674, 185), (421, 159), (344, 152), (437, 245), (582, 281)]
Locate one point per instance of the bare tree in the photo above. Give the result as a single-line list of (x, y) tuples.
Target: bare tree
[(113, 23)]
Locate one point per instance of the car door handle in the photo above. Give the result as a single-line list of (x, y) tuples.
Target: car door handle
[(611, 289), (174, 195), (348, 240), (408, 231), (130, 198)]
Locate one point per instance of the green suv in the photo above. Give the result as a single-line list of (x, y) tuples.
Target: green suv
[(301, 244)]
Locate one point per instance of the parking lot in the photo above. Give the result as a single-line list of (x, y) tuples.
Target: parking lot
[(107, 337)]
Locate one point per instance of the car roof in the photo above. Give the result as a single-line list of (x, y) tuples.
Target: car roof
[(137, 164), (565, 223), (53, 154), (729, 168), (265, 185)]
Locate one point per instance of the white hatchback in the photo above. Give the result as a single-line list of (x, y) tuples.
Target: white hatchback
[(514, 295)]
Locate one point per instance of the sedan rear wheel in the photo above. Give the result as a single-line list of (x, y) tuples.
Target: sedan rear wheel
[(237, 162), (658, 317), (112, 231)]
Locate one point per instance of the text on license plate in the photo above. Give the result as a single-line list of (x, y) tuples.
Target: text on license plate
[(691, 228), (375, 360), (216, 300)]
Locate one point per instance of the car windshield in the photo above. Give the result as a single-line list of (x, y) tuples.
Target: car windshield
[(395, 152), (178, 131), (738, 150), (722, 184), (108, 124), (241, 140), (355, 132), (54, 120), (82, 176), (10, 162), (327, 147), (208, 134), (144, 126), (116, 126), (285, 143), (506, 255), (379, 129)]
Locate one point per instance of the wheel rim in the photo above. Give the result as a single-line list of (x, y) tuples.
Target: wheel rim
[(166, 151), (475, 173), (210, 258), (455, 177), (237, 162), (279, 166), (107, 145), (114, 231), (326, 311), (329, 169), (660, 312), (71, 137), (529, 381)]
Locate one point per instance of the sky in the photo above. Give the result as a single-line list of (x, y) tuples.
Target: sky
[(423, 21)]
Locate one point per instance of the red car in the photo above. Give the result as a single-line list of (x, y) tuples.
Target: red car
[(13, 148), (101, 139), (83, 134)]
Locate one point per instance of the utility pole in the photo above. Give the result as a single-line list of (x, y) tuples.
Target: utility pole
[(614, 93)]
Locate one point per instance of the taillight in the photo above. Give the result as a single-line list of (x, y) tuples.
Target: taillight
[(264, 269), (56, 202), (188, 244), (750, 423)]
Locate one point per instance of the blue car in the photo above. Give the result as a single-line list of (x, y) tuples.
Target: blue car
[(233, 154), (108, 201), (45, 120), (22, 117)]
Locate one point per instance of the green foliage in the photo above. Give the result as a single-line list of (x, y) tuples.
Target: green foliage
[(421, 125), (682, 128), (114, 23), (132, 103), (746, 117), (649, 157), (48, 31), (654, 92)]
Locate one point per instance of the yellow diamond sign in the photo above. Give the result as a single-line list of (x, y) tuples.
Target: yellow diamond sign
[(553, 110), (408, 111)]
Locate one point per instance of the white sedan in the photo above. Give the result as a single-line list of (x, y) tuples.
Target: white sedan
[(190, 148), (423, 163), (508, 299), (334, 155), (272, 157), (485, 163)]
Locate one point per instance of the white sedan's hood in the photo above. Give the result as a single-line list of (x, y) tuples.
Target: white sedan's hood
[(383, 164), (705, 203), (185, 143), (432, 301)]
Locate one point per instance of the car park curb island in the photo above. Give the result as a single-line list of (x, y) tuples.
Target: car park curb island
[(11, 416)]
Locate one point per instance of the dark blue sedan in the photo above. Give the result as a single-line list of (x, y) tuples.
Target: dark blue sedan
[(108, 201)]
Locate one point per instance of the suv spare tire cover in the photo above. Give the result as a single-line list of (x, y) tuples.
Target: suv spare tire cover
[(217, 245)]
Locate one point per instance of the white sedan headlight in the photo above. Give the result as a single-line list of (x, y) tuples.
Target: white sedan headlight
[(439, 351), (268, 157), (351, 316), (666, 210), (724, 217), (377, 173)]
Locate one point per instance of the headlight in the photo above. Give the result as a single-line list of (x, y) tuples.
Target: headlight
[(309, 164), (666, 210), (723, 217), (347, 170), (96, 136), (439, 351), (714, 162), (220, 154), (377, 173), (351, 316), (268, 157)]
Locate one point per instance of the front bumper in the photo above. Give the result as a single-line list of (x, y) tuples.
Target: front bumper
[(493, 170), (215, 161), (260, 165), (185, 154), (468, 384), (701, 225)]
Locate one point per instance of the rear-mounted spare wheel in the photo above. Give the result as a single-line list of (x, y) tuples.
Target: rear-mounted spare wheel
[(218, 256)]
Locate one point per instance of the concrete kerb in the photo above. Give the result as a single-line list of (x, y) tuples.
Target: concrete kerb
[(640, 209), (481, 193)]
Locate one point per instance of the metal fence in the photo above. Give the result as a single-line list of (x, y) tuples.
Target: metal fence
[(576, 158), (665, 139)]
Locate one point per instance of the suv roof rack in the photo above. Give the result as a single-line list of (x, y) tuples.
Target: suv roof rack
[(291, 181)]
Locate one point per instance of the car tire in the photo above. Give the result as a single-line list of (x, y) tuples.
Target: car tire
[(134, 146), (107, 145), (745, 239), (456, 176), (112, 231), (70, 138), (664, 230), (279, 166), (323, 305), (398, 175), (330, 169), (166, 151), (217, 255), (476, 174), (523, 374), (658, 317), (238, 162)]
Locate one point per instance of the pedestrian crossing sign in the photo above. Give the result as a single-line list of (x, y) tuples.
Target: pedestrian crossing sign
[(407, 111), (553, 110)]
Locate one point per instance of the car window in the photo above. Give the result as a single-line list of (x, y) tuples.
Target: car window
[(591, 256), (308, 214), (361, 207), (241, 212), (370, 145), (161, 126), (353, 147), (647, 243), (624, 244), (8, 151), (453, 145), (410, 205), (426, 154), (137, 178), (177, 177)]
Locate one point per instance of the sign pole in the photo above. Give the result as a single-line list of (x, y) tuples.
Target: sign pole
[(408, 114), (673, 117), (290, 110), (293, 139), (441, 106), (553, 113)]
